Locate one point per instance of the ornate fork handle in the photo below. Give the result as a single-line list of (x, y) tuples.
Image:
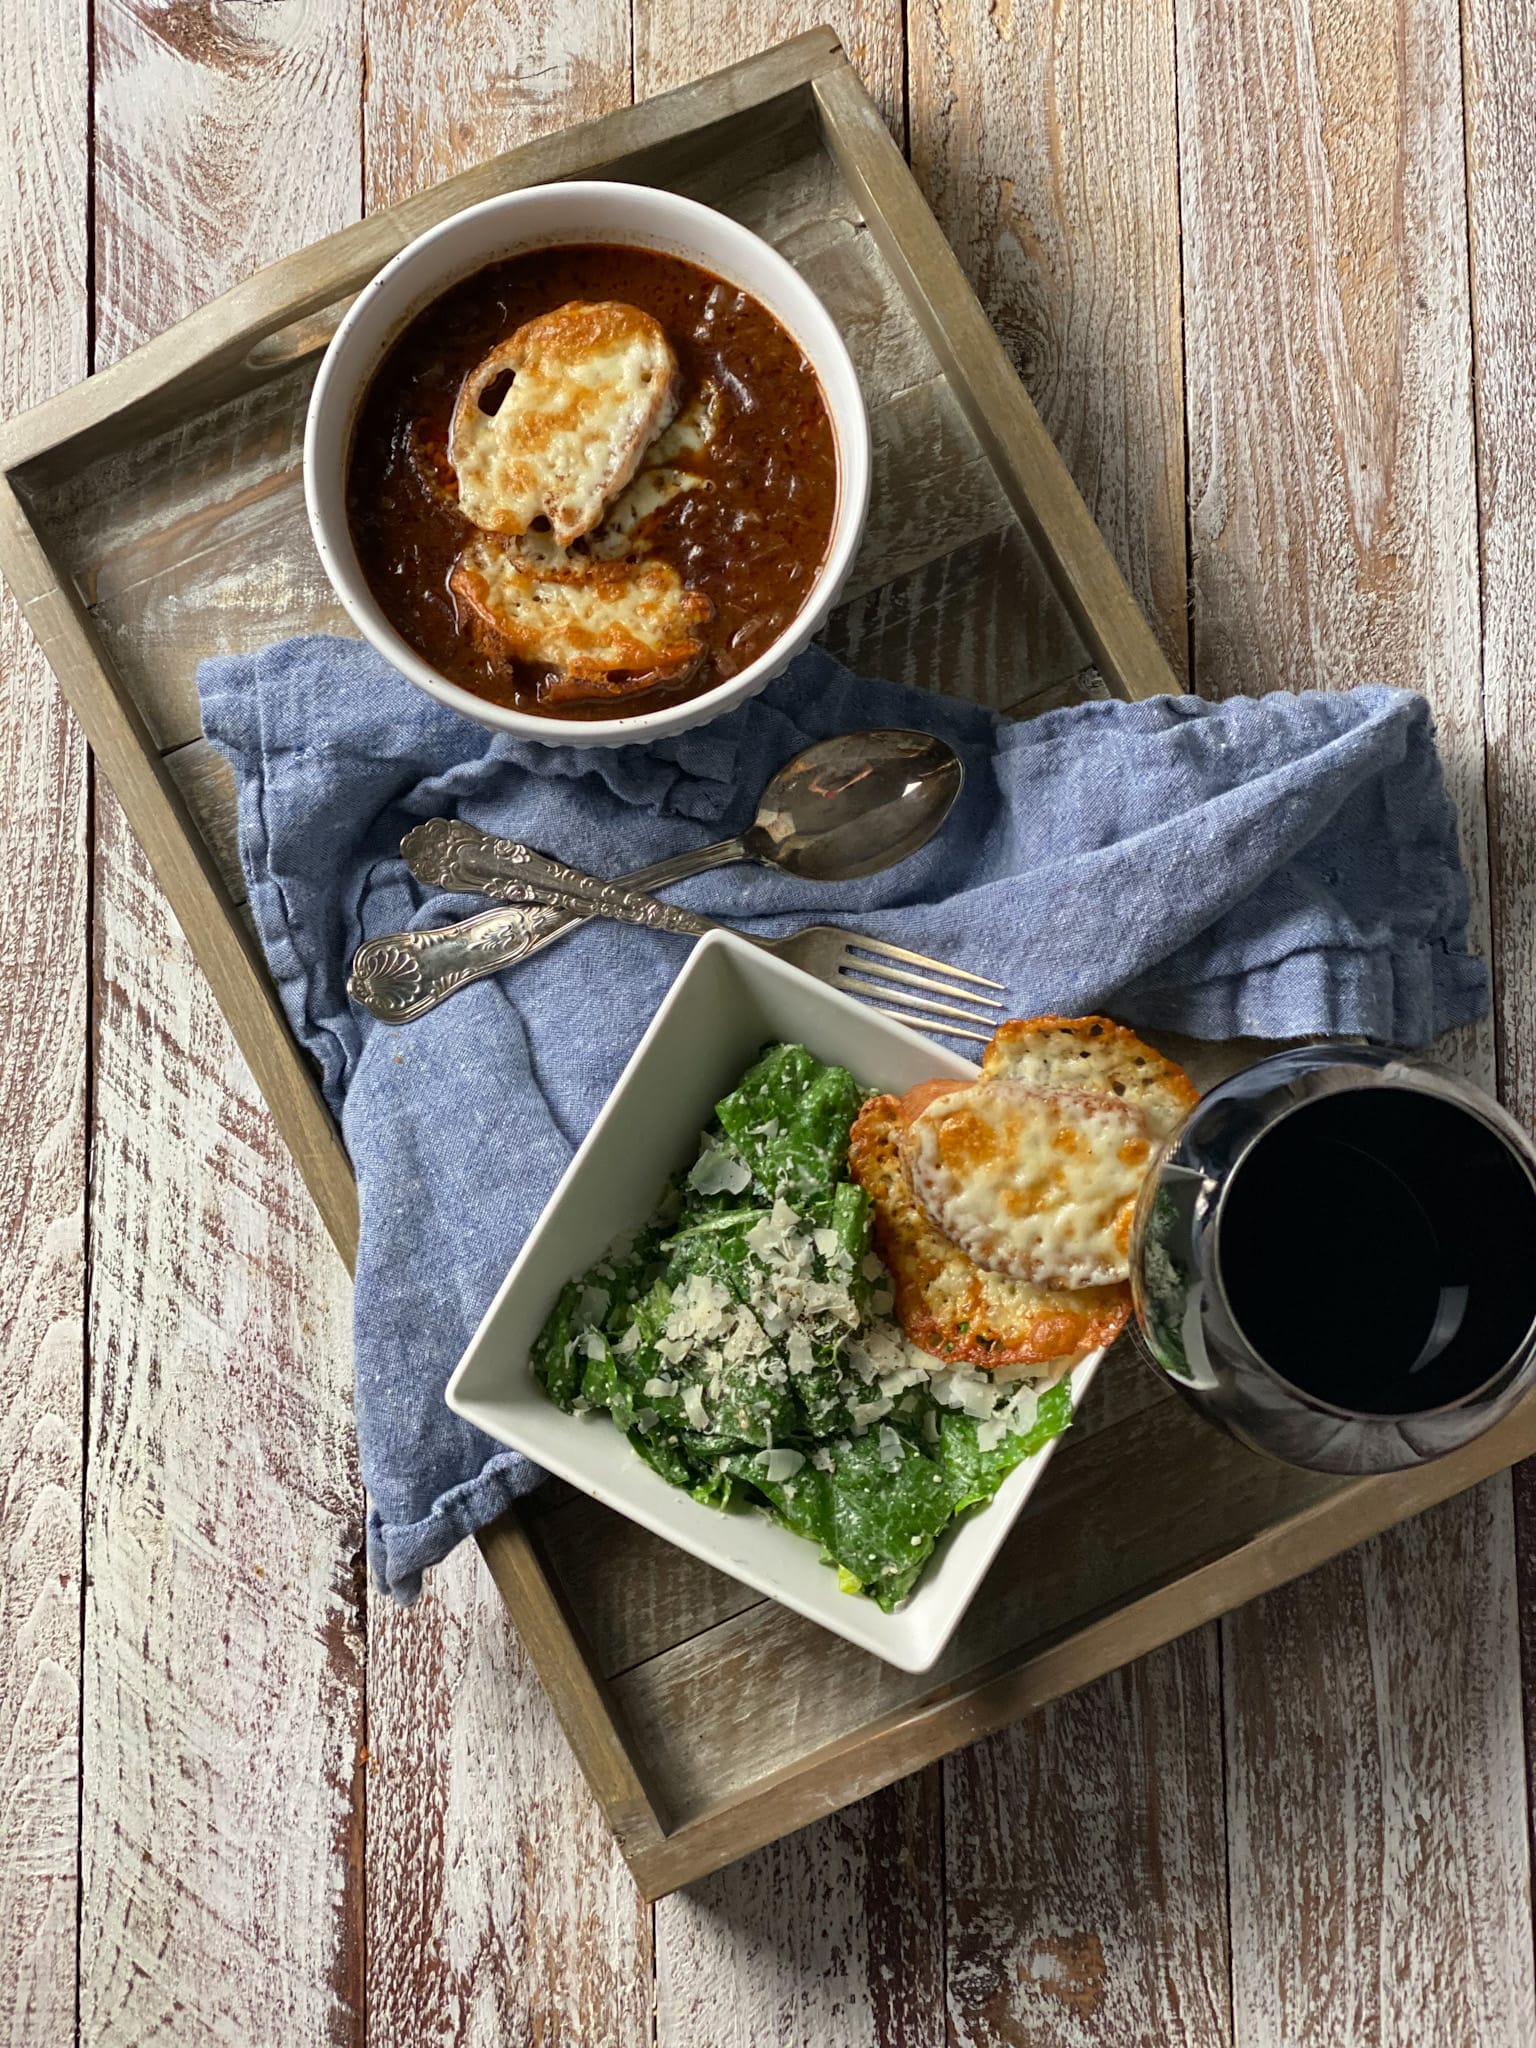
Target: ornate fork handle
[(451, 855)]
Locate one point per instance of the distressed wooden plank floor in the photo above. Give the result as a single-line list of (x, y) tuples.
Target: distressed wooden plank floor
[(1268, 273)]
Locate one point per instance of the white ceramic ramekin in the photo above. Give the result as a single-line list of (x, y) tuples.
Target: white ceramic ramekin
[(540, 217)]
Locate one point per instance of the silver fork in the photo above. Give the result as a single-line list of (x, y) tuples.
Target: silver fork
[(400, 976)]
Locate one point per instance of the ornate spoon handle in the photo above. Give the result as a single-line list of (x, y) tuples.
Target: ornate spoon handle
[(405, 974)]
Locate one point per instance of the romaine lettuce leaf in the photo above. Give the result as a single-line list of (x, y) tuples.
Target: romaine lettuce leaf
[(803, 1504), (555, 1361), (878, 1509), (974, 1474), (789, 1119), (885, 1514)]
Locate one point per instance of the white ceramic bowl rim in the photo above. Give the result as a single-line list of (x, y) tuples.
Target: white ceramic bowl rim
[(341, 381)]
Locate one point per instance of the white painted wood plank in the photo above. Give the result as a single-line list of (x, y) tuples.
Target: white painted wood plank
[(676, 40), (499, 1909), (1045, 142), (1499, 90), (451, 83), (1086, 1867), (223, 1626), (1380, 1884), (832, 1936), (44, 971), (1379, 1859)]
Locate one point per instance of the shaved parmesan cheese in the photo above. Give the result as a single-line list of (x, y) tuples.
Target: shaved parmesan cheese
[(718, 1172), (659, 1389), (595, 1344), (592, 1306), (892, 1450), (780, 1464), (863, 1413)]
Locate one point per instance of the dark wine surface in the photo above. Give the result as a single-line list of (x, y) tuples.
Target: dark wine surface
[(1378, 1250)]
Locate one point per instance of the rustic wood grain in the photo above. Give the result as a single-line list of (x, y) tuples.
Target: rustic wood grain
[(1045, 141), (222, 1813), (44, 976), (1082, 575), (833, 1936), (1333, 516), (676, 40), (1085, 1848), (1086, 1866), (1500, 107), (451, 84), (499, 1906), (1333, 506), (1380, 1888)]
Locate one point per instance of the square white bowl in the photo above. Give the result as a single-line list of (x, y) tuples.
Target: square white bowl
[(730, 1000)]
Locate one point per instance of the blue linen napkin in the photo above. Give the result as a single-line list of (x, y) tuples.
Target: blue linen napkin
[(1271, 867)]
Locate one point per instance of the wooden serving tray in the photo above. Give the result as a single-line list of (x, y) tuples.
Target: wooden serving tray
[(155, 514)]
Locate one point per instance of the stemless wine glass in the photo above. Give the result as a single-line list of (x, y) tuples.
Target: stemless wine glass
[(1335, 1259)]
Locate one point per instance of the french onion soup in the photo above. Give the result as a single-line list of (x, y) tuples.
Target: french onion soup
[(592, 480)]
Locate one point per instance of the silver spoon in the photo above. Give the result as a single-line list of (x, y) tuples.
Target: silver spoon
[(848, 806)]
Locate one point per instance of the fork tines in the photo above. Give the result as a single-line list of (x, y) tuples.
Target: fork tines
[(866, 969)]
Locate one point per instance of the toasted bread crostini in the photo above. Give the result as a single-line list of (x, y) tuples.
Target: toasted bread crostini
[(946, 1303), (1040, 1184), (604, 628), (1097, 1057), (587, 388)]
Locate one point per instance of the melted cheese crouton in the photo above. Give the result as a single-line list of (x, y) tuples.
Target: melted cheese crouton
[(605, 628), (945, 1302), (1096, 1057), (591, 386), (1040, 1185)]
